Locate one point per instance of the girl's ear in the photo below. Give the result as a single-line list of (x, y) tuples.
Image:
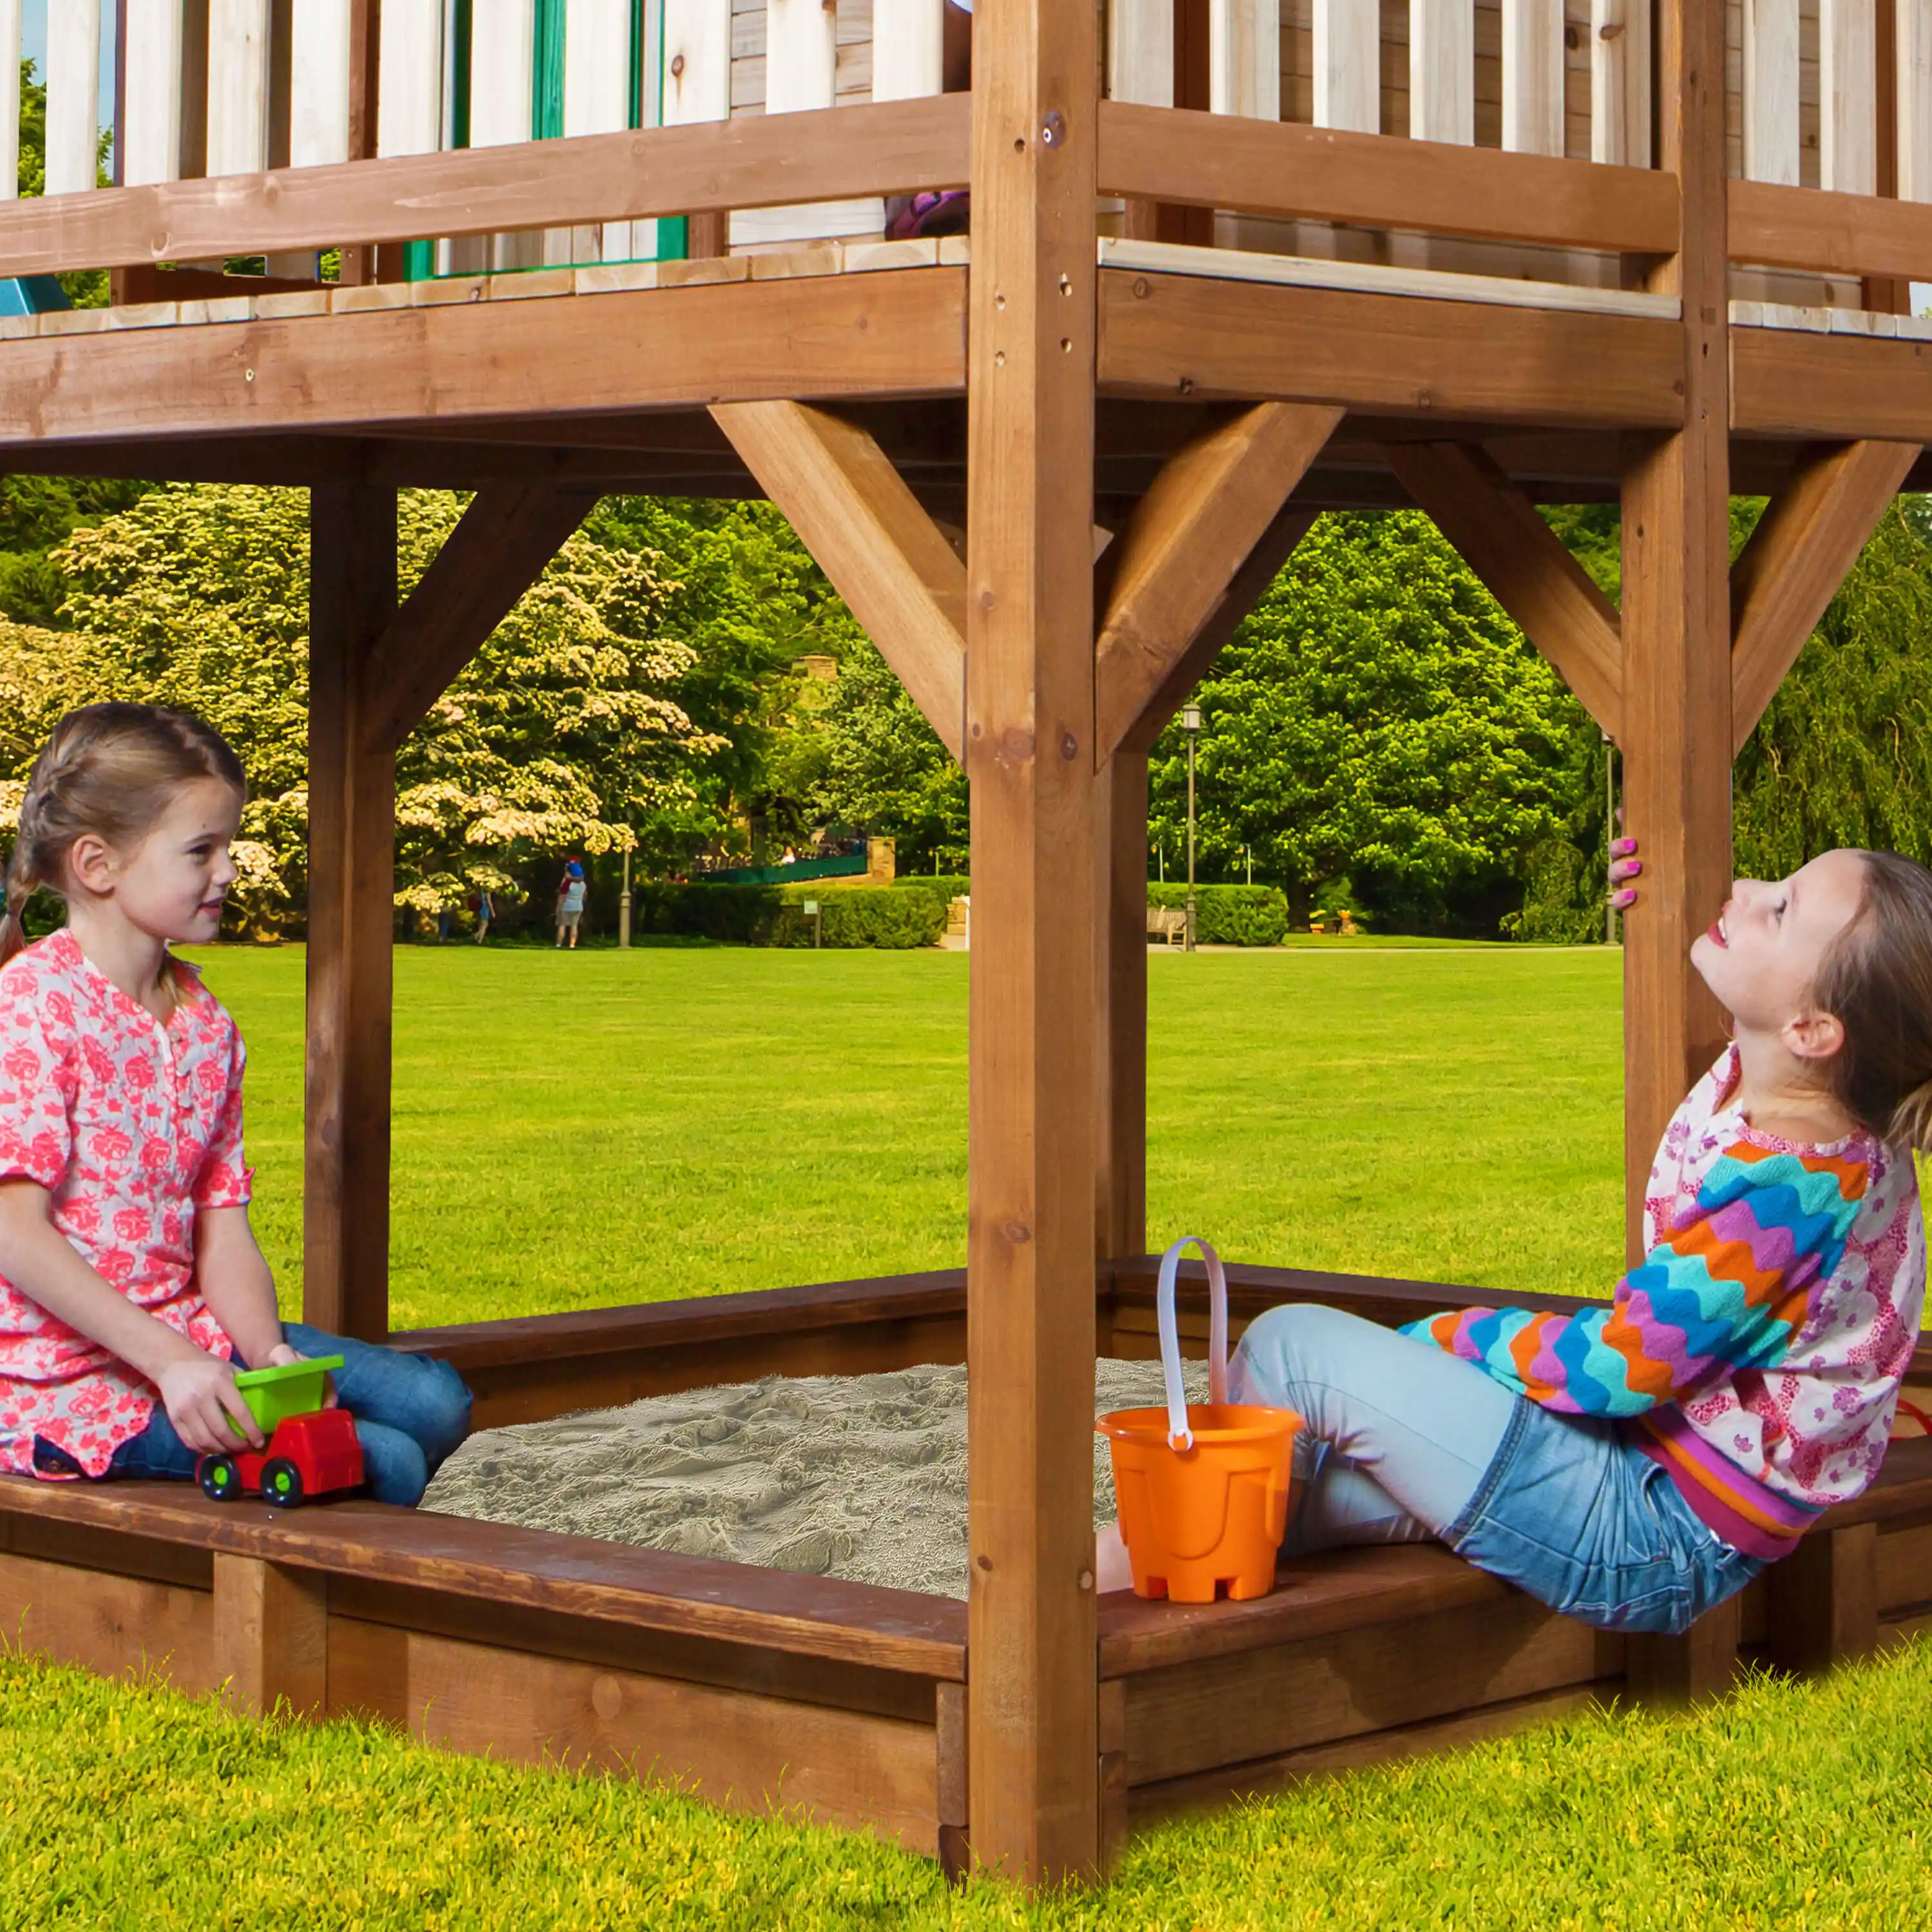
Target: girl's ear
[(1813, 1036), (90, 864)]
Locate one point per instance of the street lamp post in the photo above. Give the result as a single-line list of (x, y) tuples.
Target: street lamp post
[(624, 906), (1190, 723)]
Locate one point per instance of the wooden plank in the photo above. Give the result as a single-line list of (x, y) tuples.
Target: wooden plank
[(760, 1753), (10, 100), (1114, 1815), (1687, 1670), (1140, 52), (1532, 100), (271, 1635), (498, 1564), (1904, 1564), (755, 161), (1186, 336), (151, 132), (1782, 227), (1229, 1710), (697, 89), (502, 69), (908, 49), (368, 1671), (1809, 537), (952, 1783), (507, 535), (319, 91), (86, 1546), (1823, 1599), (868, 533), (1377, 181), (1442, 71), (1830, 388), (73, 89), (1620, 76), (1348, 65), (1188, 538), (1770, 91), (1032, 1020), (1847, 109), (1676, 735), (1244, 56), (829, 336), (409, 111), (238, 97), (351, 918), (1913, 75), (599, 64), (114, 1625), (1524, 565)]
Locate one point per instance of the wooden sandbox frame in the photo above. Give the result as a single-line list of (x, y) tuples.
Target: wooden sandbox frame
[(953, 425), (842, 1701)]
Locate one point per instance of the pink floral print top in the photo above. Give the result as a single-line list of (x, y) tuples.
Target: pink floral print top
[(132, 1126)]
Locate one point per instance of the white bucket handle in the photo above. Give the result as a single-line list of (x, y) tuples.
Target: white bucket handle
[(1179, 1434)]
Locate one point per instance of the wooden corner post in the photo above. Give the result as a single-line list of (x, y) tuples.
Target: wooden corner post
[(1032, 1695), (1676, 707), (352, 823)]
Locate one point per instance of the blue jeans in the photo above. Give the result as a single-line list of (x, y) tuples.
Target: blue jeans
[(410, 1413), (1404, 1443)]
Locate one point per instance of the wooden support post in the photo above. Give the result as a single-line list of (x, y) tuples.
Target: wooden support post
[(1676, 739), (1822, 1599), (1685, 1670), (1809, 535), (352, 817), (1120, 969), (271, 1635), (1525, 565), (1113, 1771), (1032, 1698)]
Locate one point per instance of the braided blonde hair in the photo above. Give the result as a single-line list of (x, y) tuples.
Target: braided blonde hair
[(111, 770)]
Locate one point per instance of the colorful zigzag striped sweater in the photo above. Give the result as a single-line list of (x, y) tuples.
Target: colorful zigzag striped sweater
[(1758, 1347)]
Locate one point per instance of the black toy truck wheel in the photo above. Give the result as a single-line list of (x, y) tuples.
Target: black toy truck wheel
[(219, 1478), (281, 1483)]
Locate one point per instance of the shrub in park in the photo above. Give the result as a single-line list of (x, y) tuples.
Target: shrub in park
[(883, 916), (1230, 915)]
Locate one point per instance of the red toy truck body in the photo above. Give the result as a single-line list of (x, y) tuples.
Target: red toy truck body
[(308, 1456)]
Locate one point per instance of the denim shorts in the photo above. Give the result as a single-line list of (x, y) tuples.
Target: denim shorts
[(1574, 1512)]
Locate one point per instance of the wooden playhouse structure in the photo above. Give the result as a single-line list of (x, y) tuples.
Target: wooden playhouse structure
[(1230, 262)]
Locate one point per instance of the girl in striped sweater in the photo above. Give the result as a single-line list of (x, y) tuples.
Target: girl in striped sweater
[(1635, 1465)]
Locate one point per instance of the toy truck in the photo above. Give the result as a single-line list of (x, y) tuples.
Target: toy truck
[(311, 1450)]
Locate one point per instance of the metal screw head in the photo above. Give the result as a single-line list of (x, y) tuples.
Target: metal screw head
[(1053, 129)]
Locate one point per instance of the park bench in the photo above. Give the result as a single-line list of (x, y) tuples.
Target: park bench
[(1167, 922)]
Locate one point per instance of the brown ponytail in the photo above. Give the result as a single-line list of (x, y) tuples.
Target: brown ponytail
[(1877, 979), (109, 770)]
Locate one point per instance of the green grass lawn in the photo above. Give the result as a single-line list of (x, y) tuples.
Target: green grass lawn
[(576, 1131)]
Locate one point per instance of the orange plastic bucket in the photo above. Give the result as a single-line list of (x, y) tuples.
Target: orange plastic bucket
[(1203, 1491)]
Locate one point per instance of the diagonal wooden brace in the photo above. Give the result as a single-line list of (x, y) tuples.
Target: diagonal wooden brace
[(1190, 536), (507, 535), (868, 533), (1524, 563), (1808, 538)]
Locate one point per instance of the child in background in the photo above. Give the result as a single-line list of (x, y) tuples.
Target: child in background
[(1635, 1465), (131, 1287), (570, 903)]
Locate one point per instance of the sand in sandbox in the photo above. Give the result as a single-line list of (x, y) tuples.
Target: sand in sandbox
[(860, 1477)]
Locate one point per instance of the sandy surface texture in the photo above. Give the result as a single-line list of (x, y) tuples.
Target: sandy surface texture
[(862, 1477)]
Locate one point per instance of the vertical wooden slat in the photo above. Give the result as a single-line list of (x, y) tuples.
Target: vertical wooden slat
[(598, 60), (1032, 1695), (909, 49), (10, 106), (1140, 52), (73, 88), (151, 131), (1121, 1200), (1676, 624), (1244, 58), (238, 86), (697, 87), (409, 118), (1348, 65), (1847, 77), (351, 813), (1620, 82), (319, 83), (1442, 70), (1770, 91), (271, 1635), (503, 78), (1533, 76), (1914, 44)]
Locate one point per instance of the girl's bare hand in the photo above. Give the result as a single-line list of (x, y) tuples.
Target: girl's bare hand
[(1624, 866), (205, 1407), (281, 1355)]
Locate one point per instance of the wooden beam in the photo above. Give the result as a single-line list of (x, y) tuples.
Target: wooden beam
[(1032, 1695), (1178, 337), (271, 1635), (867, 531), (499, 549), (1282, 168), (352, 820), (895, 333), (1523, 563), (1190, 535), (1775, 227), (1676, 736), (1823, 1599), (1120, 969), (1810, 388), (1809, 535), (1673, 1671), (896, 147)]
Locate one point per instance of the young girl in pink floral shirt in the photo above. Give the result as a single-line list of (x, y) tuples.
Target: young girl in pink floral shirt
[(131, 1286)]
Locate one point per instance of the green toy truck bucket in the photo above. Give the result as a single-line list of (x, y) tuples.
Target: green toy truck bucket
[(273, 1395)]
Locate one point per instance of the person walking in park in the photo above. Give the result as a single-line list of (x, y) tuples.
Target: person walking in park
[(484, 909), (131, 1287), (570, 903), (1636, 1464)]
